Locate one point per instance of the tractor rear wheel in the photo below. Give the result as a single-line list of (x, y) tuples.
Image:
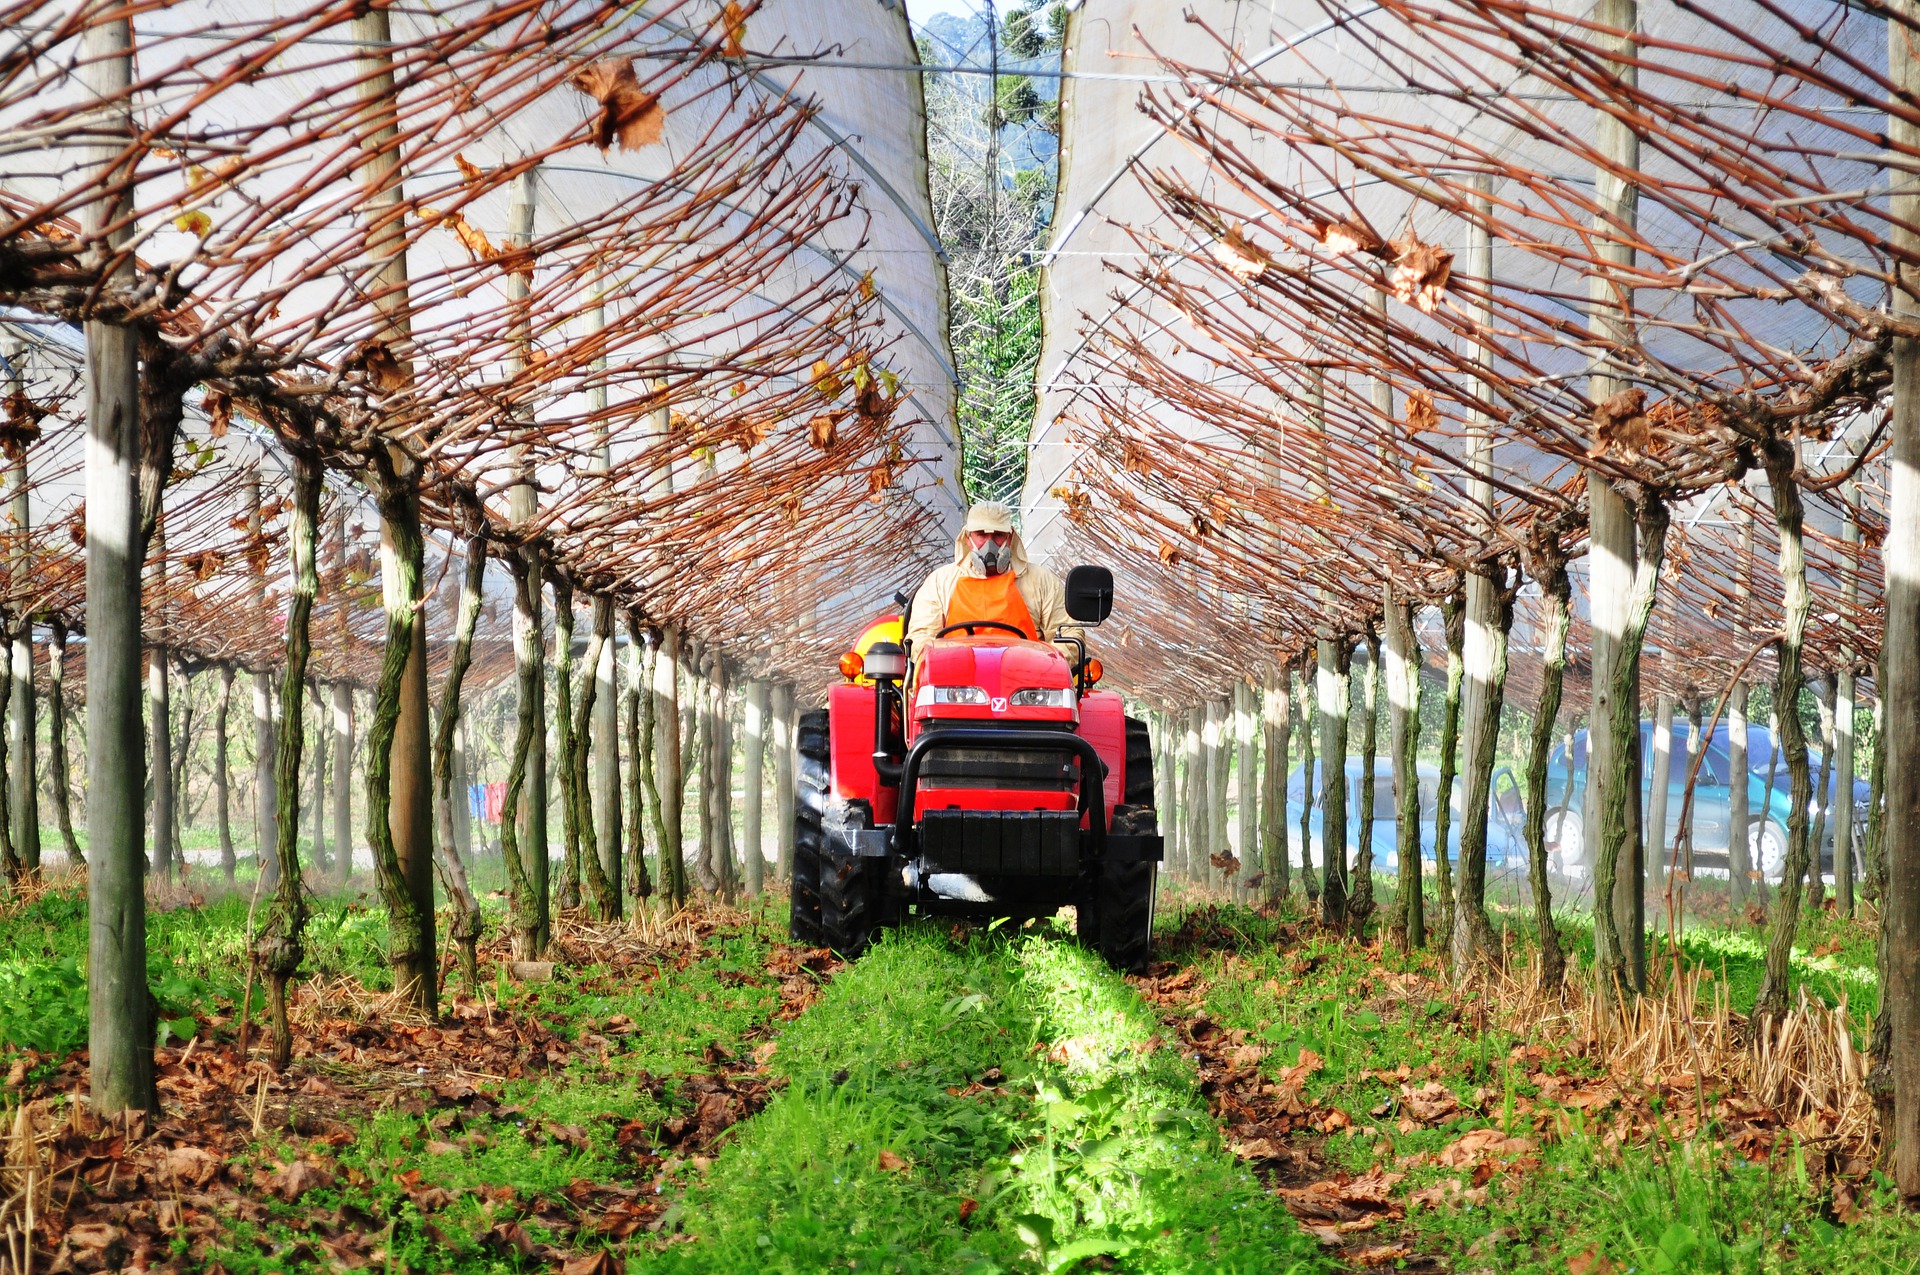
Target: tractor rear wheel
[(1115, 910), (813, 781)]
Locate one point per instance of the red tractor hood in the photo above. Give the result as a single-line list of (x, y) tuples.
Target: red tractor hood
[(999, 666)]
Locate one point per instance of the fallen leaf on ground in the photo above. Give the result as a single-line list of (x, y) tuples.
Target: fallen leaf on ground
[(1591, 1262), (1430, 1103), (299, 1178), (1381, 1255), (600, 1263), (1479, 1145), (190, 1166), (893, 1163)]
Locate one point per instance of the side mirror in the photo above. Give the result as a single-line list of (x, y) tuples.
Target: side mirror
[(1089, 594)]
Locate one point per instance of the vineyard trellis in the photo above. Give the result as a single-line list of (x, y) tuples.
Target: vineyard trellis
[(1502, 337)]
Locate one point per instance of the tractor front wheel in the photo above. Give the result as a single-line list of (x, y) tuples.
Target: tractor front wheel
[(812, 784), (853, 902)]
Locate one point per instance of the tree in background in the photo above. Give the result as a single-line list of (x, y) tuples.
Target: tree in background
[(992, 151)]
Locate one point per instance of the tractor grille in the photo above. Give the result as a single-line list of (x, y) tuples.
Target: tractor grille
[(1018, 769)]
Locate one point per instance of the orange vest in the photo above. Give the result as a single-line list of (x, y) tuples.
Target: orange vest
[(993, 598)]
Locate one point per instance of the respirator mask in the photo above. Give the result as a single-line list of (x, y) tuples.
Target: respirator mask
[(993, 558)]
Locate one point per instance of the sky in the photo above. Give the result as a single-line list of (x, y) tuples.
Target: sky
[(921, 10)]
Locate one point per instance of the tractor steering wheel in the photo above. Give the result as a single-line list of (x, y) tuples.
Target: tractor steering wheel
[(971, 625)]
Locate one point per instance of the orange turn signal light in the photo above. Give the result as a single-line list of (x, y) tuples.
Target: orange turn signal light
[(1094, 672), (852, 665)]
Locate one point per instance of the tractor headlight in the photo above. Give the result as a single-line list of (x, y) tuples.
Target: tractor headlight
[(1042, 697), (955, 695)]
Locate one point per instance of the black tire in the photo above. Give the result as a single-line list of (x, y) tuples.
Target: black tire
[(853, 902), (813, 781), (1114, 912), (1138, 790)]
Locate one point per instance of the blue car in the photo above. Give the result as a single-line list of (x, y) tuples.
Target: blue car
[(1506, 815), (1712, 807)]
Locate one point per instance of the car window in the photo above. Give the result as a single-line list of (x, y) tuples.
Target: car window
[(1506, 797)]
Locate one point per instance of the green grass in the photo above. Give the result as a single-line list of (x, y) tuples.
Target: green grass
[(1662, 1204), (1089, 1144), (543, 1134)]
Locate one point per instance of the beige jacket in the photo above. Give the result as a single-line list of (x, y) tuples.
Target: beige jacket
[(1040, 589)]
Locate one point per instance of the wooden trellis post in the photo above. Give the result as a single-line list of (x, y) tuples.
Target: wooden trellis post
[(1619, 938), (160, 729), (1403, 741), (1246, 780), (24, 780), (1219, 760), (1900, 648), (672, 779), (57, 764), (1739, 848), (753, 738), (1489, 620), (398, 770), (1844, 695), (1277, 714), (605, 730), (783, 744), (120, 1032), (523, 502), (266, 804)]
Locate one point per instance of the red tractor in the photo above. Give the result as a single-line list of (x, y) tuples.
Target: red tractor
[(996, 782)]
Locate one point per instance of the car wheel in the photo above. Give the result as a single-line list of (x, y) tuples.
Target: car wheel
[(1768, 845), (1567, 842)]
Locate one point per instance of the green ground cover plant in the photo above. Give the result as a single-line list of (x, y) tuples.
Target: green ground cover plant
[(978, 1104)]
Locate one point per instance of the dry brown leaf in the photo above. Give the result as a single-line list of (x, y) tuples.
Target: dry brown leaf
[(893, 1163), (1620, 424), (1372, 1187), (298, 1178), (734, 21), (825, 381), (1482, 1144), (1420, 273), (1169, 553), (1421, 414), (821, 431), (468, 169), (1446, 1193), (1242, 257), (1380, 1255), (1430, 1103), (472, 238), (219, 409), (629, 114), (384, 372), (601, 1263), (1591, 1262), (1343, 237), (1225, 861), (1297, 1074), (190, 1166)]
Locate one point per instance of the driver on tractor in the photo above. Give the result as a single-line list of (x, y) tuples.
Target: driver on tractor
[(990, 579)]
